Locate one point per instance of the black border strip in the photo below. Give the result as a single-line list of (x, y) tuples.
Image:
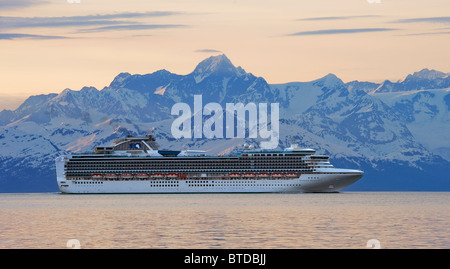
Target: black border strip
[(225, 258)]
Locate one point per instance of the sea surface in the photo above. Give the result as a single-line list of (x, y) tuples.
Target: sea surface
[(350, 220)]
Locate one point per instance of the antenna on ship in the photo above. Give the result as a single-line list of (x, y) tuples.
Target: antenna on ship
[(294, 142), (149, 134)]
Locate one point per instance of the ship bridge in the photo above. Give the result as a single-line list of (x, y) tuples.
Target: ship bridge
[(130, 144)]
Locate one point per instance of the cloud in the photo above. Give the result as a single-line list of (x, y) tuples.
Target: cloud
[(14, 4), (83, 24), (11, 36), (426, 19), (430, 33), (7, 23), (341, 31), (337, 18), (131, 27), (77, 21), (128, 15), (208, 51)]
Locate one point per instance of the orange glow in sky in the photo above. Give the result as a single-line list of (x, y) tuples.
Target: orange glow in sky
[(47, 46)]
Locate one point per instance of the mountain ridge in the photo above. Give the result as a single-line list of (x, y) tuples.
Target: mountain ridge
[(355, 123)]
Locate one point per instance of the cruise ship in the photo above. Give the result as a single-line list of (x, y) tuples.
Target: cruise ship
[(136, 165)]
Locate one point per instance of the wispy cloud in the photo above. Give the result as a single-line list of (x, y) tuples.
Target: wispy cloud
[(130, 27), (14, 4), (78, 21), (337, 18), (84, 24), (429, 20), (341, 31), (208, 51), (8, 23), (425, 19), (11, 36), (430, 33)]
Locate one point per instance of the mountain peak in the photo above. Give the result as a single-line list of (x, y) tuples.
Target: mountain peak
[(215, 63), (427, 74), (330, 81), (332, 77), (219, 64), (119, 79), (424, 79)]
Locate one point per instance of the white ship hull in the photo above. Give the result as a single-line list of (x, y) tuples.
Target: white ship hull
[(332, 182), (123, 169)]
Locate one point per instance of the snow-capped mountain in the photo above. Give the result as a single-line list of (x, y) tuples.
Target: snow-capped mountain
[(422, 102), (353, 119), (423, 80), (386, 129)]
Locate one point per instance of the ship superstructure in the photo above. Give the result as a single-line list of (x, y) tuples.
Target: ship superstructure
[(136, 165)]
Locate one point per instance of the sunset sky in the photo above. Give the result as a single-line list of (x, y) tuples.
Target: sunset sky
[(49, 45)]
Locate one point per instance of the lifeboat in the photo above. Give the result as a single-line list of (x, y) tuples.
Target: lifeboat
[(111, 176), (277, 174), (172, 175), (249, 175), (158, 175), (263, 174), (126, 176), (142, 176), (97, 176), (235, 175), (291, 174)]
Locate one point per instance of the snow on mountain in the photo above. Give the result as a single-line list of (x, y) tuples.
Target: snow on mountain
[(353, 119), (216, 65), (362, 85), (427, 74), (426, 115), (424, 79), (357, 124)]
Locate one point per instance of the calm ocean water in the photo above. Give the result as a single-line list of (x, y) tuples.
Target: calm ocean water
[(202, 221)]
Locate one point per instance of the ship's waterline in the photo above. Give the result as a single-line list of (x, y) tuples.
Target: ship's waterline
[(135, 165)]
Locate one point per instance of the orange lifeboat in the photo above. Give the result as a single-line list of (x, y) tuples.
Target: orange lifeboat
[(97, 176), (111, 176), (291, 174), (235, 175), (249, 175), (158, 175), (126, 176), (142, 176), (277, 174)]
